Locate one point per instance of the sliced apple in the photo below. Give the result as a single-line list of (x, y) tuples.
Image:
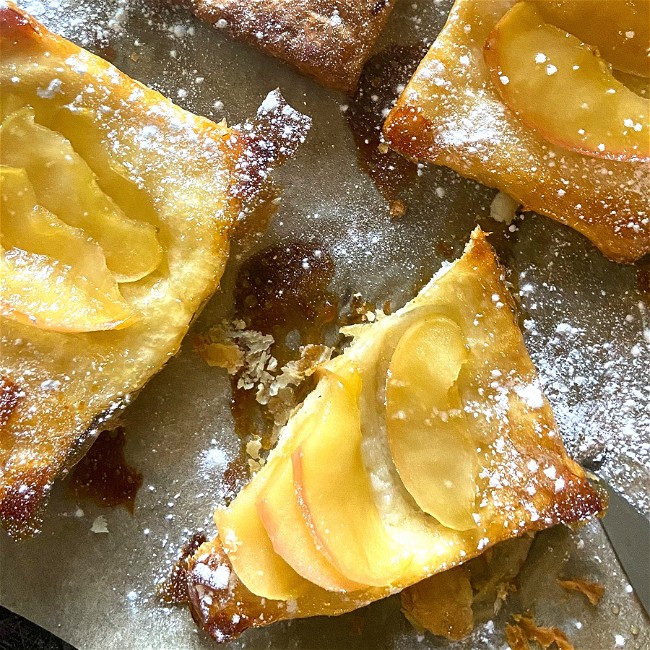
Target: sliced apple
[(77, 268), (80, 129), (564, 90), (66, 186), (30, 227), (40, 291), (291, 536), (620, 30), (426, 426), (336, 496), (250, 551)]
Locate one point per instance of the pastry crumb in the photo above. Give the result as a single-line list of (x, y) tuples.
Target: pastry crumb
[(592, 590), (525, 629), (397, 209), (504, 208), (100, 525)]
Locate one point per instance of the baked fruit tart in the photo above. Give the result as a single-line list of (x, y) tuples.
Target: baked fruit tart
[(329, 40), (116, 211), (422, 445), (546, 100)]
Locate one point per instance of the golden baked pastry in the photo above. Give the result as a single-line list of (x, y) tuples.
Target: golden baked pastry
[(328, 40), (425, 443), (527, 97), (116, 211)]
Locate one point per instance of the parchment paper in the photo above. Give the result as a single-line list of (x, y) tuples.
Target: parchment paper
[(586, 325)]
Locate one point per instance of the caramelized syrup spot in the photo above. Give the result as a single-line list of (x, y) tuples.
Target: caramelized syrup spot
[(376, 93), (281, 290), (285, 288), (174, 589), (103, 475), (236, 474), (10, 395), (255, 221), (19, 507)]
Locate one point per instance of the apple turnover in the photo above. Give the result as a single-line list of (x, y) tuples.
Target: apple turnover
[(547, 101), (116, 211), (329, 40), (424, 444)]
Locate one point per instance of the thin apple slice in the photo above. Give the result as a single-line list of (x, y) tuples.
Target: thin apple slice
[(65, 263), (564, 90), (37, 290), (250, 551), (426, 426), (66, 186), (336, 496), (290, 535), (30, 227), (80, 129), (620, 30)]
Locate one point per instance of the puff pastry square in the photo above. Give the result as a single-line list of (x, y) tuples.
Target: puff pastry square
[(328, 40), (424, 444), (117, 208), (451, 114)]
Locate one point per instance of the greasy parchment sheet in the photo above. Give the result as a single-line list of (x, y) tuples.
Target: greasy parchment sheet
[(587, 324)]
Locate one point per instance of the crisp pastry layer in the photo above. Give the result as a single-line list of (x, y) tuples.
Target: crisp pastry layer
[(424, 444), (116, 211), (328, 40), (457, 112)]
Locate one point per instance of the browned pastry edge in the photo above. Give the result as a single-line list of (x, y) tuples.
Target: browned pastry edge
[(301, 34)]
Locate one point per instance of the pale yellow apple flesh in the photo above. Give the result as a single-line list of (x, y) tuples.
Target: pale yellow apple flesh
[(250, 551), (67, 187), (564, 90), (78, 293), (290, 535), (78, 127), (428, 432), (336, 495), (620, 30), (37, 290)]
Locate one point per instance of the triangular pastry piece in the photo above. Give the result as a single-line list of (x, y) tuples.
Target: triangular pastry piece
[(425, 443), (546, 101), (116, 211)]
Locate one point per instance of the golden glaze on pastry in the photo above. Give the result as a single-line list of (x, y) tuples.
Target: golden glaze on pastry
[(291, 548), (452, 113), (328, 40), (116, 212)]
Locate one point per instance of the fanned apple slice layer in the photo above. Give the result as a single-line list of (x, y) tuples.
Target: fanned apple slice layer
[(78, 293), (425, 442), (564, 89), (336, 496), (66, 186), (291, 536)]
